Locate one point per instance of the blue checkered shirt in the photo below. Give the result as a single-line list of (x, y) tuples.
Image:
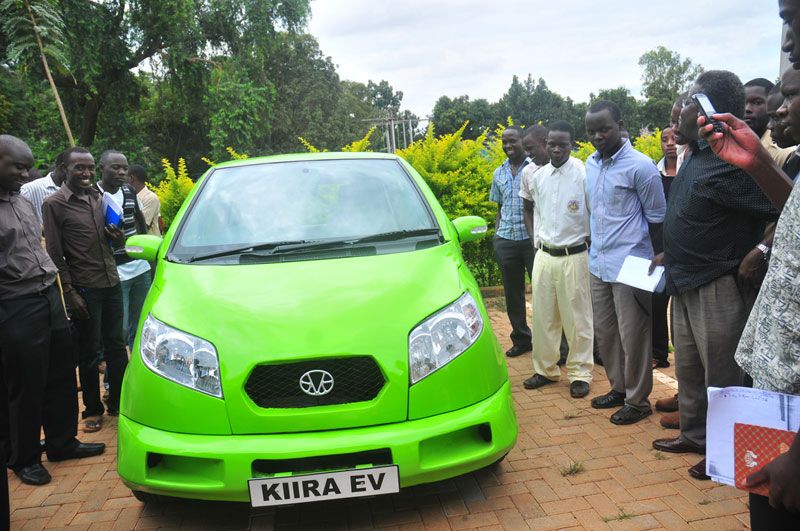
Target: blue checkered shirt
[(505, 192)]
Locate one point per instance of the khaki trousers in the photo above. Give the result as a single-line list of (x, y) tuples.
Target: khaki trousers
[(623, 328), (561, 297)]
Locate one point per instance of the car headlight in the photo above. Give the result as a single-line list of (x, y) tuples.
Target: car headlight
[(443, 336), (180, 357)]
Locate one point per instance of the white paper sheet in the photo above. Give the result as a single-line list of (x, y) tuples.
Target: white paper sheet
[(634, 272), (747, 406)]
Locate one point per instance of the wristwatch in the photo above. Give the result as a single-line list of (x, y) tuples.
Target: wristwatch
[(764, 250)]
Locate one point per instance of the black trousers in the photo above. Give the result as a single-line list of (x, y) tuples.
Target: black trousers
[(660, 301), (763, 517), (100, 337), (515, 257), (38, 378)]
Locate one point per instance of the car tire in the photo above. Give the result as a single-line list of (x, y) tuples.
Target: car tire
[(496, 463), (146, 497)]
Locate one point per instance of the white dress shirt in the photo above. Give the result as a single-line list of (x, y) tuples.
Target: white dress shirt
[(527, 175), (560, 198)]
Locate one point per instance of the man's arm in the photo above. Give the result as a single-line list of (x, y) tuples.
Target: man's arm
[(651, 194), (527, 216), (54, 244), (739, 146)]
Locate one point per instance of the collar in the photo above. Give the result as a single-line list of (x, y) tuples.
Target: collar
[(48, 181), (6, 196), (626, 147), (702, 144), (69, 193), (525, 162)]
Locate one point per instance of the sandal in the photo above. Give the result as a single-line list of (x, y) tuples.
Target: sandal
[(92, 424)]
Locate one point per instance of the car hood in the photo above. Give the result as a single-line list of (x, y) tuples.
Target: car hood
[(279, 313)]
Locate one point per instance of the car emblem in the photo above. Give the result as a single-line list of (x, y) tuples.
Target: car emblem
[(316, 382)]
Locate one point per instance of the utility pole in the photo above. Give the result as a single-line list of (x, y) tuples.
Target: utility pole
[(389, 123)]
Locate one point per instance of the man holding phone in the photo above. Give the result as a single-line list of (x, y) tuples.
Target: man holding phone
[(716, 215)]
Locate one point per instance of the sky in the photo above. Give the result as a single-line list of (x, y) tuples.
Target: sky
[(431, 48)]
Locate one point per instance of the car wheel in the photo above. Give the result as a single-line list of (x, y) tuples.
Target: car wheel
[(146, 497), (496, 463)]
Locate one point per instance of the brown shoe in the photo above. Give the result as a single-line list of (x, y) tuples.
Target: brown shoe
[(667, 405), (677, 446), (698, 471), (671, 421)]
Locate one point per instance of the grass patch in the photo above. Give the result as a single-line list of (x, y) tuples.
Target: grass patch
[(573, 469), (622, 515), (498, 303), (659, 456)]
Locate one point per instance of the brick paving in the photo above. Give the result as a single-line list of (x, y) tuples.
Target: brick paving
[(622, 482)]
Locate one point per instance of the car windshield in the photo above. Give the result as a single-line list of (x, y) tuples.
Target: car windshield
[(288, 204)]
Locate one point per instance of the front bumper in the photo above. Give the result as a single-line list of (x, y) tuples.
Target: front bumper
[(217, 467)]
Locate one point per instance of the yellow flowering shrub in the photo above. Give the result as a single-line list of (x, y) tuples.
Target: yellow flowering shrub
[(173, 189), (650, 145)]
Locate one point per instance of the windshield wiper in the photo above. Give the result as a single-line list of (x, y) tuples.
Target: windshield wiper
[(249, 249), (396, 235)]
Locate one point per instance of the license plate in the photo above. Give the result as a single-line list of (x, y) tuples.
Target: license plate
[(326, 486)]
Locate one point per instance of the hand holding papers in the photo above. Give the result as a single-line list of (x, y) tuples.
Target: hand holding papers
[(746, 429), (112, 210), (635, 272)]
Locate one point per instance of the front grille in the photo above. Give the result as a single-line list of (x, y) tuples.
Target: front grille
[(356, 379)]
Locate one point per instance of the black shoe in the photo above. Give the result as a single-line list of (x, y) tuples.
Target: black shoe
[(578, 389), (536, 381), (660, 364), (598, 360), (516, 350), (608, 400), (33, 474), (629, 415), (79, 452)]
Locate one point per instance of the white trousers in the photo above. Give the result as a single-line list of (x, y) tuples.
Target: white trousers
[(562, 297)]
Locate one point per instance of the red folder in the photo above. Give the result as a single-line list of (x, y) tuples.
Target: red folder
[(754, 447)]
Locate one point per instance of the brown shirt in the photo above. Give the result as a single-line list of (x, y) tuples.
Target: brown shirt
[(74, 231), (24, 266)]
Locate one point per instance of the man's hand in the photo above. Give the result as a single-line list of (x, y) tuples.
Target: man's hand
[(77, 306), (656, 261), (737, 144), (783, 476), (752, 269), (116, 235)]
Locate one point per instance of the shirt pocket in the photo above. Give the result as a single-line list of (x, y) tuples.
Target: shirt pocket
[(624, 200), (573, 206)]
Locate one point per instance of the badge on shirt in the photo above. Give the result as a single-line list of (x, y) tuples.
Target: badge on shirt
[(573, 205)]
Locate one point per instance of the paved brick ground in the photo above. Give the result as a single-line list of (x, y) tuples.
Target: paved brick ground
[(623, 484)]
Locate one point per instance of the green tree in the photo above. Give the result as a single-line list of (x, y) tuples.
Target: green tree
[(34, 28), (628, 105), (665, 74)]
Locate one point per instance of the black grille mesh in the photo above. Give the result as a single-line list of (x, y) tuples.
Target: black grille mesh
[(356, 379)]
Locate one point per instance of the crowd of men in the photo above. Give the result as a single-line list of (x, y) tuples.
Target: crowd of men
[(69, 296), (718, 211)]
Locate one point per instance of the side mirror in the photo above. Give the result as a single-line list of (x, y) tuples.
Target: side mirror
[(470, 228), (143, 246)]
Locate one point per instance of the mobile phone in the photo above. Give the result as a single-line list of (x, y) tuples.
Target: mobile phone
[(707, 109)]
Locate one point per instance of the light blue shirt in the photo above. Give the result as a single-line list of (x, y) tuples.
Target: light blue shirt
[(505, 192), (625, 194)]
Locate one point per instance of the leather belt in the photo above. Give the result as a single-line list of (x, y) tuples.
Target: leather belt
[(563, 251)]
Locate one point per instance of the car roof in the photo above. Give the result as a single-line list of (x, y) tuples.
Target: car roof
[(296, 157)]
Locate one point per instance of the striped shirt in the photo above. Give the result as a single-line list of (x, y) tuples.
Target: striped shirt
[(37, 191), (505, 192), (127, 267)]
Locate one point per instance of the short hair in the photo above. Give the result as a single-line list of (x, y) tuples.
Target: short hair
[(775, 90), (766, 84), (516, 128), (67, 153), (138, 172), (725, 90), (564, 127), (107, 153), (606, 105), (536, 131)]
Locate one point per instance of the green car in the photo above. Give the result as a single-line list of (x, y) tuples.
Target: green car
[(312, 332)]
